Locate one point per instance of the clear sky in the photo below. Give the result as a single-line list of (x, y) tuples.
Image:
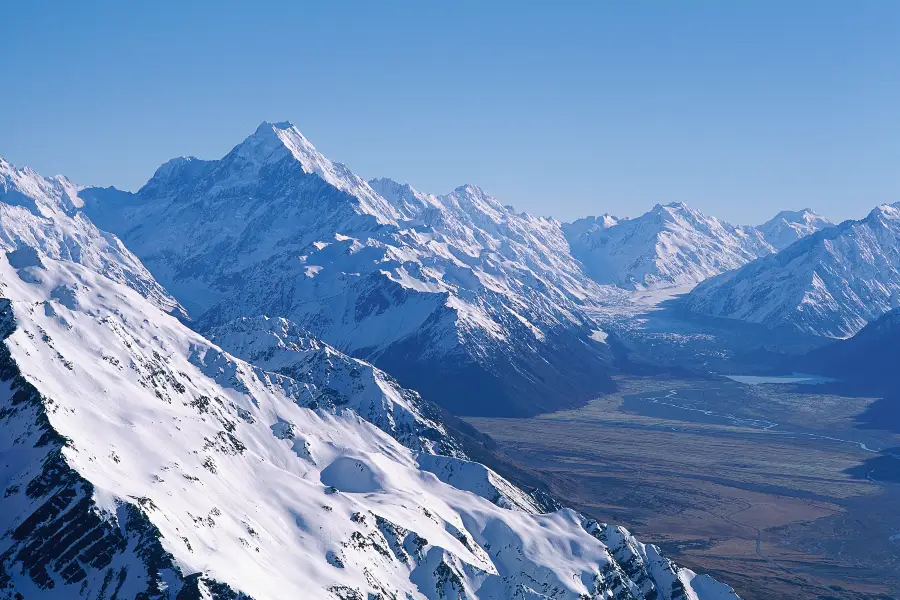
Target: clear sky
[(739, 108)]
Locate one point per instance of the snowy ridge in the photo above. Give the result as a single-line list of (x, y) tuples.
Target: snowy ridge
[(590, 225), (478, 479), (334, 381), (38, 213), (457, 285), (273, 141), (831, 283), (675, 245), (141, 460)]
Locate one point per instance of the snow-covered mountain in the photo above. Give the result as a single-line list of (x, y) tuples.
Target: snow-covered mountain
[(140, 460), (45, 213), (831, 283), (475, 305), (675, 245), (788, 226), (671, 245)]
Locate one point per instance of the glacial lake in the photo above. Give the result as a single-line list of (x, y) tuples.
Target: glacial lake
[(793, 378)]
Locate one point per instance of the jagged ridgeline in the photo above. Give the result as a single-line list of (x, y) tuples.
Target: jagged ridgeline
[(476, 306), (483, 309), (138, 459)]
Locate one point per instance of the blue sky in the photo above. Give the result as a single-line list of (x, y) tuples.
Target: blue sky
[(564, 109)]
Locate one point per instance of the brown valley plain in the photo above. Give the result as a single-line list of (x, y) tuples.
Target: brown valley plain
[(776, 489)]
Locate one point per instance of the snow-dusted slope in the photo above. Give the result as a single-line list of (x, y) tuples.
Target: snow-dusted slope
[(831, 283), (44, 213), (788, 226), (458, 296), (139, 460), (671, 245)]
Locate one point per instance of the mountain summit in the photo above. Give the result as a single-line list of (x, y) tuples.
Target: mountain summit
[(274, 142), (475, 305)]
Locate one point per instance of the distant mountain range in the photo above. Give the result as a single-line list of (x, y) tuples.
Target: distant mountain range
[(829, 284), (484, 309), (788, 226), (675, 245)]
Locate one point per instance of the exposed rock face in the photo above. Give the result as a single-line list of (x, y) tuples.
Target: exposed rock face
[(56, 535)]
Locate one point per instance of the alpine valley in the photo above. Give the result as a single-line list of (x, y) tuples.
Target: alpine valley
[(264, 377)]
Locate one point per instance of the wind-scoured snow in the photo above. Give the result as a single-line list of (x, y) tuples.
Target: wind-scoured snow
[(140, 459), (831, 283)]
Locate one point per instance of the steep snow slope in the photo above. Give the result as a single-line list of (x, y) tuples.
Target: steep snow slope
[(788, 226), (831, 283), (675, 245), (139, 459), (475, 305), (670, 245), (44, 213), (337, 380)]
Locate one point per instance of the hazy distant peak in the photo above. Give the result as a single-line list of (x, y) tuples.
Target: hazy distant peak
[(788, 226), (671, 244), (803, 213)]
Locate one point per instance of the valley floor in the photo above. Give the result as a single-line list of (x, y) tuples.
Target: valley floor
[(773, 489)]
